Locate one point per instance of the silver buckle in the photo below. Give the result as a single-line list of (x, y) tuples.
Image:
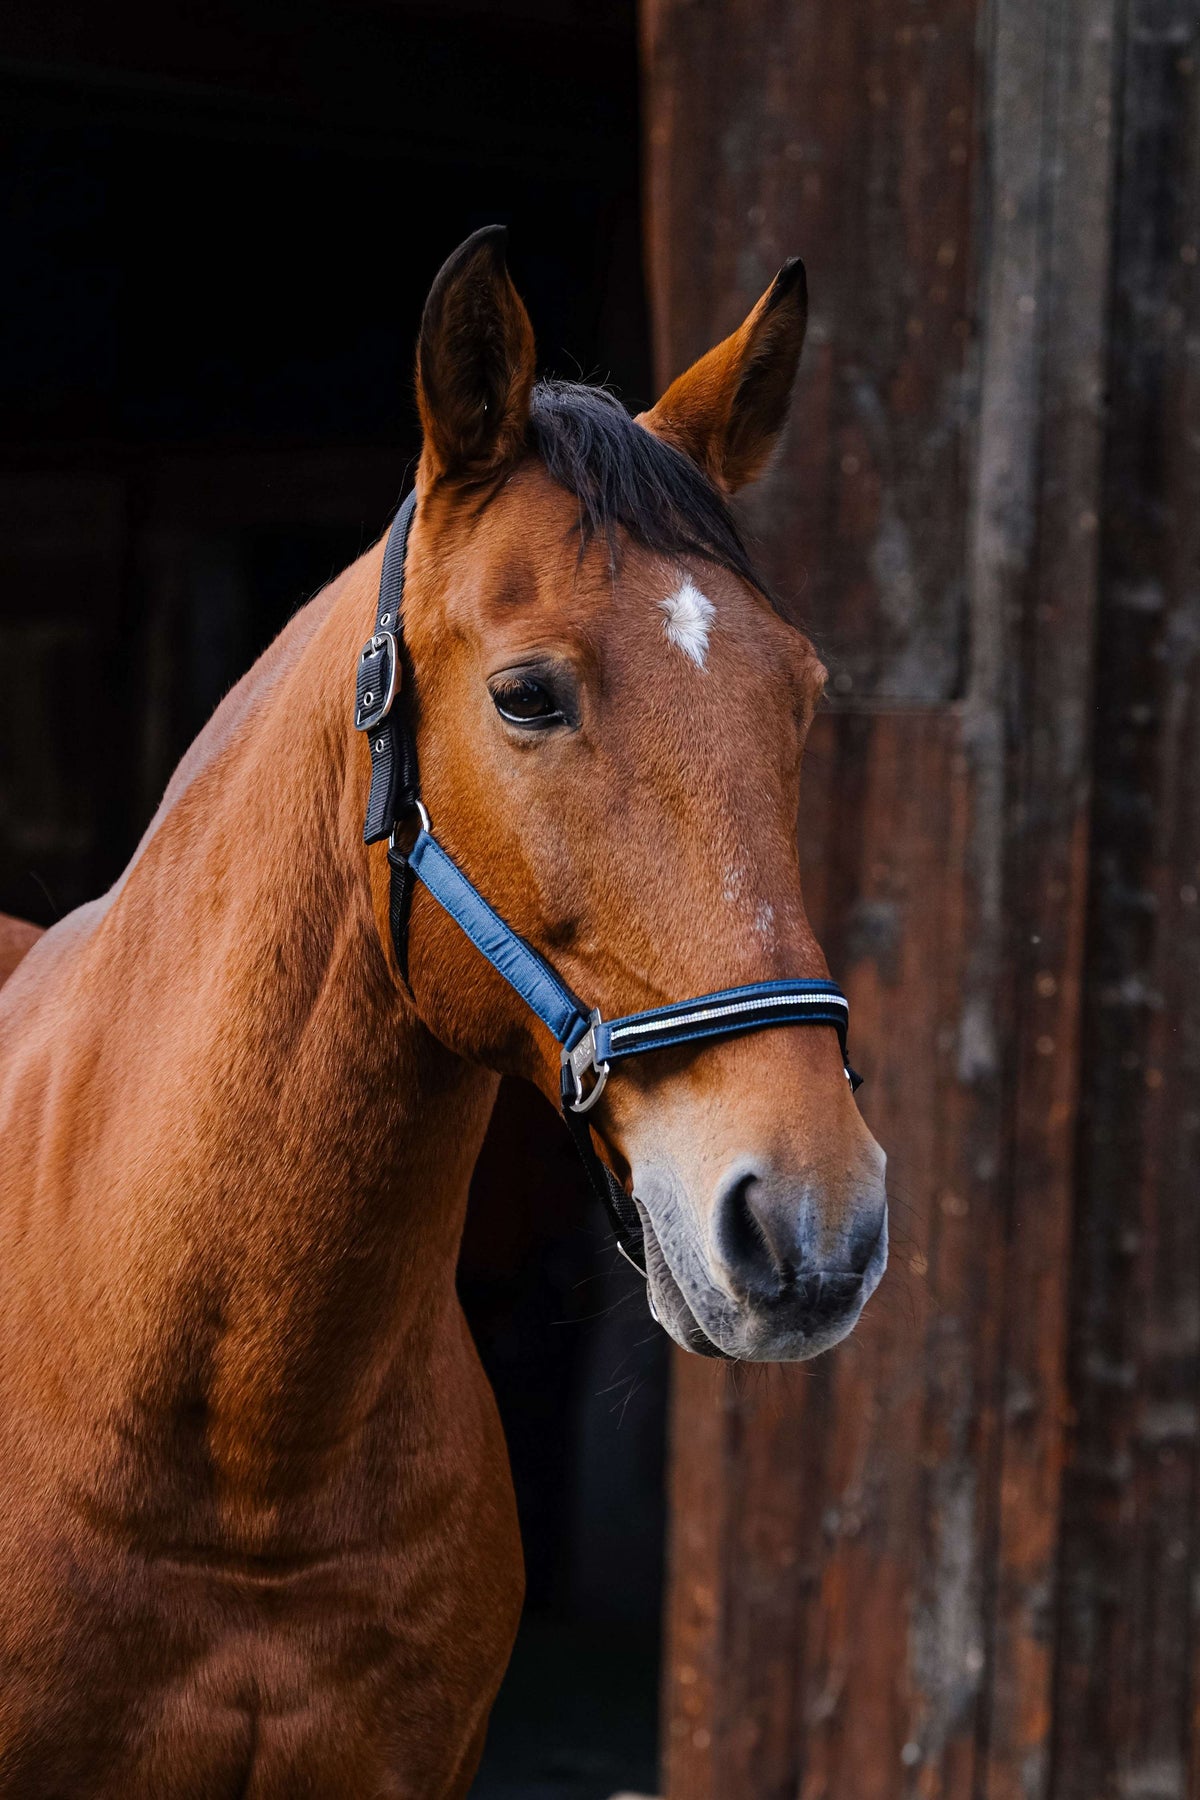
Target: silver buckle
[(579, 1061), (369, 716)]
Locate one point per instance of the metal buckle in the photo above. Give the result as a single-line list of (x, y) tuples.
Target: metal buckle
[(579, 1061), (375, 708)]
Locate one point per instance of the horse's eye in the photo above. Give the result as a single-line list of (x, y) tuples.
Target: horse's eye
[(524, 701)]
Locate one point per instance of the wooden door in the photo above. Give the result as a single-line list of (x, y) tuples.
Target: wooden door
[(956, 1556)]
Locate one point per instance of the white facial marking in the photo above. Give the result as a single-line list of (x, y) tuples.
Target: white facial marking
[(687, 616)]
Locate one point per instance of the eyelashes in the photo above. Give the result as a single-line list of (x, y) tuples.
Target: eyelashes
[(524, 700)]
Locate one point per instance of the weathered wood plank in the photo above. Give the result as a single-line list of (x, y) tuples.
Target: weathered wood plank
[(926, 1644), (1050, 126), (826, 1631), (843, 134), (1128, 1668), (896, 1629)]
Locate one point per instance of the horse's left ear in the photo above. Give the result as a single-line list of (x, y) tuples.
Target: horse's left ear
[(475, 363), (728, 409)]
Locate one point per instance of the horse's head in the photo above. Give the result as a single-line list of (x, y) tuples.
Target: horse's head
[(611, 718)]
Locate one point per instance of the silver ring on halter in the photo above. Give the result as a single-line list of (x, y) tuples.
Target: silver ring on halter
[(425, 825), (582, 1104), (579, 1061)]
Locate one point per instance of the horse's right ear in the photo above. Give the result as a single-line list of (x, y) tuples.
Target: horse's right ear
[(475, 363)]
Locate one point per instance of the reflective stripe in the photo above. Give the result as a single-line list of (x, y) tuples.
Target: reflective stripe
[(643, 1022)]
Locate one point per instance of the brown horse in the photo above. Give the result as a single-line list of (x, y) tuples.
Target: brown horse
[(258, 1534)]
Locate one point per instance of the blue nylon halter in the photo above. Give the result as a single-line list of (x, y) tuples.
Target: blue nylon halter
[(590, 1044)]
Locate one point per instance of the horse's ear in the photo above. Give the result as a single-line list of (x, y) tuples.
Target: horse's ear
[(728, 409), (475, 363)]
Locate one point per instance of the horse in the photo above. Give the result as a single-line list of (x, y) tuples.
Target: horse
[(259, 1535)]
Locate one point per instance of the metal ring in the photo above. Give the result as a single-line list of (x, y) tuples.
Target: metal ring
[(421, 814), (584, 1103)]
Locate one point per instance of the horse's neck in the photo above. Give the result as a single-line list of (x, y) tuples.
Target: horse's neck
[(260, 1158)]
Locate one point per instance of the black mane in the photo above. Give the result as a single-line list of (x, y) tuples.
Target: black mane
[(625, 478)]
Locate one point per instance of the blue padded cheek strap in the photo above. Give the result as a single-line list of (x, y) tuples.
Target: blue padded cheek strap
[(521, 966), (598, 1042)]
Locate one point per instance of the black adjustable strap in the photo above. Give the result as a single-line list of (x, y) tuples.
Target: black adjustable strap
[(400, 891), (622, 1211), (379, 709)]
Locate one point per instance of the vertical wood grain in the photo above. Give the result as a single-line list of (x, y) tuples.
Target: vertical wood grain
[(826, 1633), (1128, 1668), (948, 1623), (844, 134), (1054, 171)]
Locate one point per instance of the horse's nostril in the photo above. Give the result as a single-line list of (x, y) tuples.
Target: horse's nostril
[(772, 1251), (744, 1246), (838, 1292)]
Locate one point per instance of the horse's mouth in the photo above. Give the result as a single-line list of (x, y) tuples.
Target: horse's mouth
[(798, 1342), (668, 1302)]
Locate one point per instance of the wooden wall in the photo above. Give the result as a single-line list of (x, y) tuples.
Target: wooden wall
[(959, 1556)]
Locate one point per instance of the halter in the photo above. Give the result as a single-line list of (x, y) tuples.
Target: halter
[(590, 1045)]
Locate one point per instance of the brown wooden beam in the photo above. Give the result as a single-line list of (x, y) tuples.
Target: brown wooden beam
[(1128, 1669), (865, 1594)]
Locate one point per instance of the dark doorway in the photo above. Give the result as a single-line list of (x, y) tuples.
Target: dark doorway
[(217, 227)]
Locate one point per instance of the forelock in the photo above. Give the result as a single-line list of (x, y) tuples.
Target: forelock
[(628, 480)]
